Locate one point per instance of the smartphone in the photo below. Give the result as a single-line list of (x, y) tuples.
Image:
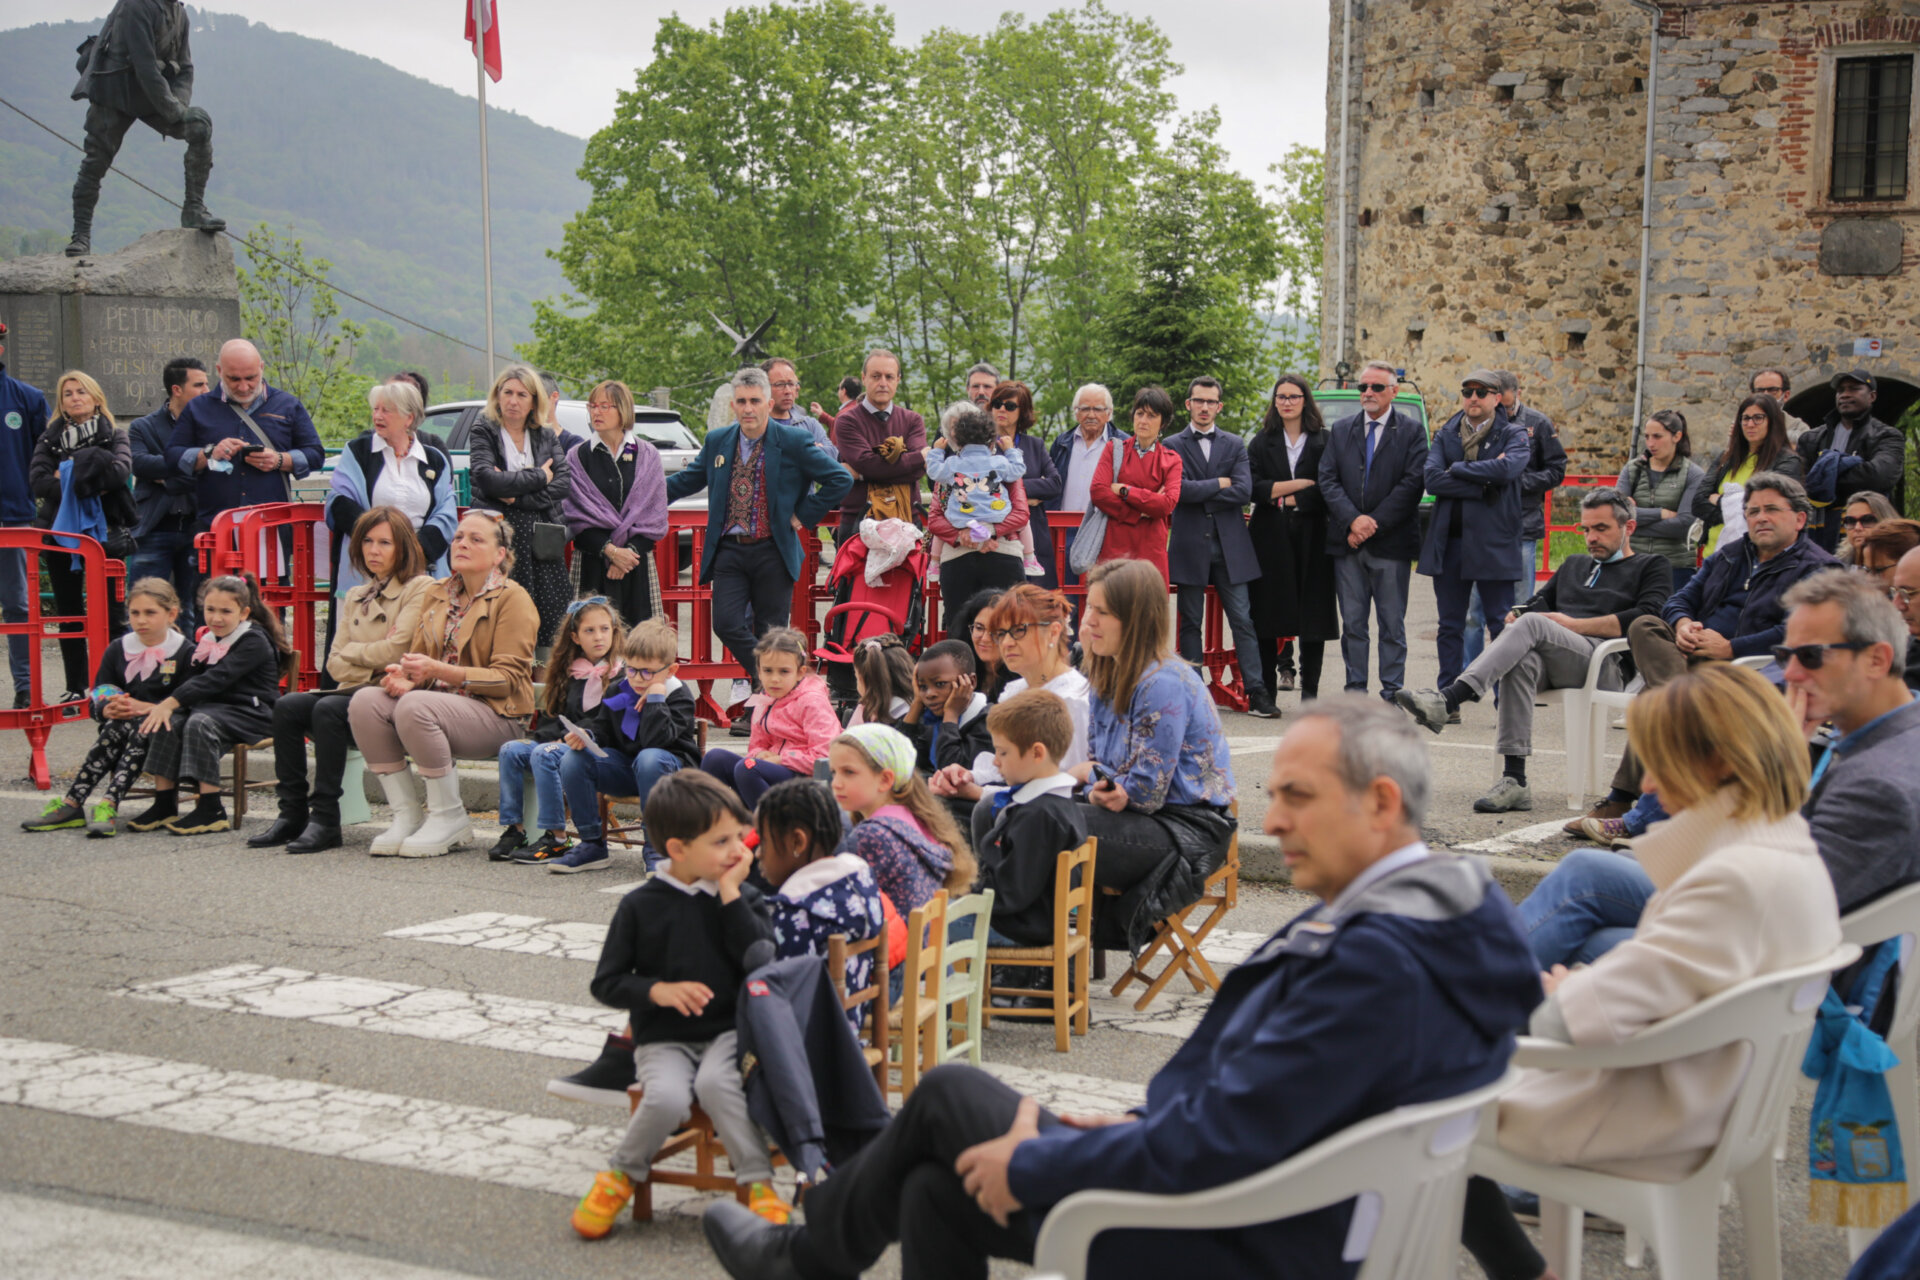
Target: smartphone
[(1099, 774), (248, 449)]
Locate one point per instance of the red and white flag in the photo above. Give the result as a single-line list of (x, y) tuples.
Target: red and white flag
[(483, 33)]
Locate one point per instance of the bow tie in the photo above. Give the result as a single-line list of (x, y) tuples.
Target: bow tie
[(595, 674), (146, 662), (1000, 802), (211, 648), (625, 699)]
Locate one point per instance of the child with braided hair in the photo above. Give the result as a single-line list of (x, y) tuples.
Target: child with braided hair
[(817, 892)]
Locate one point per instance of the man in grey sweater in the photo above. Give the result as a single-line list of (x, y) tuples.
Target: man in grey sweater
[(1845, 647)]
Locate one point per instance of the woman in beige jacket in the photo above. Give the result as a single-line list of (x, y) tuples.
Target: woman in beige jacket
[(1739, 892), (462, 690), (376, 620)]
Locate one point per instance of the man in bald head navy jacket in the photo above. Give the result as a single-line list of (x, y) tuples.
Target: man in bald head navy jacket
[(1371, 476)]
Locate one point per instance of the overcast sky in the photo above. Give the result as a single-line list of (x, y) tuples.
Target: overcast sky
[(1263, 65)]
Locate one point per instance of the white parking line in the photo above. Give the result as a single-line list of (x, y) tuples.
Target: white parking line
[(1519, 838), (53, 1240)]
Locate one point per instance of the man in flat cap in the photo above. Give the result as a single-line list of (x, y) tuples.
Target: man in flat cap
[(1872, 454), (139, 68)]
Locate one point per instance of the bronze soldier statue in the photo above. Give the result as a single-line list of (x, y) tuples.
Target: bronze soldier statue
[(140, 68)]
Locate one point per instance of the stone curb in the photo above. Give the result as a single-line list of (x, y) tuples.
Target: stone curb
[(1260, 861)]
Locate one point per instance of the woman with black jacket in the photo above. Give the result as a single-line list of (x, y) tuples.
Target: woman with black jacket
[(1294, 594), (83, 432), (1758, 443), (518, 465), (616, 509)]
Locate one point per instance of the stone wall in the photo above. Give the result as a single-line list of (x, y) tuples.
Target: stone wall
[(1496, 192)]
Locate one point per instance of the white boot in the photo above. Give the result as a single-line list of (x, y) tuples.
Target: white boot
[(403, 795), (446, 827)]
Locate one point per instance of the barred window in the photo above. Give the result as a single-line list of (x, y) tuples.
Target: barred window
[(1871, 102)]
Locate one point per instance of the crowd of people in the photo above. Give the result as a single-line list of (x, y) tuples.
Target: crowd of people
[(1784, 790)]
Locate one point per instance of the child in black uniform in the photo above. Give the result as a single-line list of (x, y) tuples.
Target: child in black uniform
[(1034, 821), (224, 695), (137, 671)]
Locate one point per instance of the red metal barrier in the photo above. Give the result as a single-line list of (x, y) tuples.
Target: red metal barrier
[(38, 718), (703, 664), (288, 572)]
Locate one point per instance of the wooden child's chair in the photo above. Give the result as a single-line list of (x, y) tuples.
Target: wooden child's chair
[(1069, 1006)]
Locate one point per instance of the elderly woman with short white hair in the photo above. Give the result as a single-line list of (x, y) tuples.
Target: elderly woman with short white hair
[(391, 466)]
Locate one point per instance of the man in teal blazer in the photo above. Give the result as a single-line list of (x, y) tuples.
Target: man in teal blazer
[(761, 478)]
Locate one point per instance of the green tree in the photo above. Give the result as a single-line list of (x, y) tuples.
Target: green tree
[(733, 180), (1300, 196), (289, 311), (1205, 249)]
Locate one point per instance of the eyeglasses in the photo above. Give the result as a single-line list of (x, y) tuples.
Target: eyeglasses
[(1089, 408), (1858, 522), (1776, 392), (1197, 403), (1015, 633), (1376, 387), (1772, 509), (785, 384), (978, 629), (1476, 393), (1754, 419), (640, 675), (1286, 398), (1903, 596), (1812, 657)]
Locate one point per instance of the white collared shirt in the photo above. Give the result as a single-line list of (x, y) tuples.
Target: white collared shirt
[(698, 886), (1052, 784), (512, 456), (1206, 442), (1405, 856), (1294, 449), (400, 485)]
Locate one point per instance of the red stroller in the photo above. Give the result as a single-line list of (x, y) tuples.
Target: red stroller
[(861, 612)]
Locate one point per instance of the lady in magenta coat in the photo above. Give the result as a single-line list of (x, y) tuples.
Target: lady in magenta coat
[(1139, 502)]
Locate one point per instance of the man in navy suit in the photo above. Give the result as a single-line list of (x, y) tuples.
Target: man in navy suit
[(1473, 471), (1209, 541), (1371, 477), (763, 478)]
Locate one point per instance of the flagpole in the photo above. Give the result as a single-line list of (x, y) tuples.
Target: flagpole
[(486, 198)]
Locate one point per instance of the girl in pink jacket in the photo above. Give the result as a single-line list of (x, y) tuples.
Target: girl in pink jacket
[(793, 720)]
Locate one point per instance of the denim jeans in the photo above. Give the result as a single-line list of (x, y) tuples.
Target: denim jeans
[(543, 759), (749, 777), (1646, 811), (1233, 603), (1590, 904), (13, 608), (584, 776), (1522, 590), (167, 553), (1451, 594), (1365, 581)]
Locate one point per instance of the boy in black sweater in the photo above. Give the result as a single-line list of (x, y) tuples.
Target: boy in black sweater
[(1032, 822), (947, 721), (674, 958)]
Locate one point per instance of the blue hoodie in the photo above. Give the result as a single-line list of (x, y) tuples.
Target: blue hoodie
[(1411, 993), (23, 417)]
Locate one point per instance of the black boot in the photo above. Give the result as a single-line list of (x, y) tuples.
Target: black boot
[(199, 164), (291, 822), (316, 837)]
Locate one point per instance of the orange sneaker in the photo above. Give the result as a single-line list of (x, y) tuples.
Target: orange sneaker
[(765, 1201), (593, 1216)]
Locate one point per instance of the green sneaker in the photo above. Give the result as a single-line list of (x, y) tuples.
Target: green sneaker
[(57, 816), (101, 816)]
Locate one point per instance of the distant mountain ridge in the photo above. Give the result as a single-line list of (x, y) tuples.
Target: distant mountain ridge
[(376, 169)]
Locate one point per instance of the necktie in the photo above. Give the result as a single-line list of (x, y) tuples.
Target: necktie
[(999, 803), (1373, 438)]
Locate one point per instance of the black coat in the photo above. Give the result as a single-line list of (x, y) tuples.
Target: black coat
[(1294, 594), (102, 465), (1389, 492), (530, 491)]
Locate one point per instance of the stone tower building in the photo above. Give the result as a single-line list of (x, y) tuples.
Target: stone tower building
[(1489, 203)]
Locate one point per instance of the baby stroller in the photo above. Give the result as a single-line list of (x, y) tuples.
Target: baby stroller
[(861, 611)]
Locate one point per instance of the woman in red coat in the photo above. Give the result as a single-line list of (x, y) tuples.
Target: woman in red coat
[(1140, 502)]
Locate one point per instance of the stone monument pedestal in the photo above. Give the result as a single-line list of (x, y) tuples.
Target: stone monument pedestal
[(120, 316)]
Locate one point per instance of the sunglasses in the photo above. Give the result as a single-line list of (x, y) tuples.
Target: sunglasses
[(1477, 393), (1005, 404), (1858, 522), (1375, 387), (1812, 657)]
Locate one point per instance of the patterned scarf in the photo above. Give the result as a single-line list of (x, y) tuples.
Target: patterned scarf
[(747, 495), (459, 604), (374, 590)]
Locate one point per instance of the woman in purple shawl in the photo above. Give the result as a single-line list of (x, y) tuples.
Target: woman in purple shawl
[(617, 507)]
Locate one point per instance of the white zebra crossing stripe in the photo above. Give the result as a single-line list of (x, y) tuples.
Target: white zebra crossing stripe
[(578, 940), (52, 1240), (572, 1033)]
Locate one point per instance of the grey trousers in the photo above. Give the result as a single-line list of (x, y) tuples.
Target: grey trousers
[(675, 1074), (1534, 653), (1360, 580)]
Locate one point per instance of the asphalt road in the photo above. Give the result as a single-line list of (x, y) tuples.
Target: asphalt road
[(216, 1060)]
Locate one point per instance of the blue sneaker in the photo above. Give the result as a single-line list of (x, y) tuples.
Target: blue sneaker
[(587, 855)]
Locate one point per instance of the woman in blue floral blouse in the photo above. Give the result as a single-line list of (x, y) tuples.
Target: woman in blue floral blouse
[(1160, 783)]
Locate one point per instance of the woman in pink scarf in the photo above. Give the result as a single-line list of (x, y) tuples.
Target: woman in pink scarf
[(617, 508)]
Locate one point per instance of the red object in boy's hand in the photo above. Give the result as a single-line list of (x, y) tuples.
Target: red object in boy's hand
[(751, 839)]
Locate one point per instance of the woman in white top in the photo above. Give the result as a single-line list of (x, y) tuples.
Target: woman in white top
[(1033, 628)]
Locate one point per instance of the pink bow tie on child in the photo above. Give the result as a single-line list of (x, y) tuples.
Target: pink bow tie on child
[(211, 648), (596, 677), (146, 662)]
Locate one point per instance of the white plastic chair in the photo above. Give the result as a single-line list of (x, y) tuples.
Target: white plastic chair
[(1772, 1014), (1409, 1167), (1586, 726)]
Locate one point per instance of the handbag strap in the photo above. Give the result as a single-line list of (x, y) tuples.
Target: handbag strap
[(286, 477)]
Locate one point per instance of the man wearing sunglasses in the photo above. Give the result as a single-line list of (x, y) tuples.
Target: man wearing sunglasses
[(1733, 607), (1370, 478), (1474, 467), (1842, 656), (1546, 469)]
